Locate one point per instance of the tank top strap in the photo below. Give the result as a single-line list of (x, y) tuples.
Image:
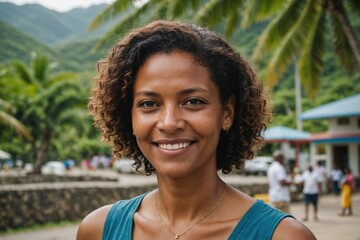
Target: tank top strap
[(119, 221), (259, 222)]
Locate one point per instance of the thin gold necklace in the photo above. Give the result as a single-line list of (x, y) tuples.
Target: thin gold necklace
[(178, 235)]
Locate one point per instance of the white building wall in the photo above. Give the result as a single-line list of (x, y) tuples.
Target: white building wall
[(335, 128), (353, 148)]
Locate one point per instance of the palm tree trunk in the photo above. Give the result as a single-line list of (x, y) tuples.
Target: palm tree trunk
[(42, 151), (298, 97), (336, 7)]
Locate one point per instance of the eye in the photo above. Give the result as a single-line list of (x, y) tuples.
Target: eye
[(147, 104), (194, 101)]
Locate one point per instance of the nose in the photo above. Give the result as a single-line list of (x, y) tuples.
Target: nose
[(170, 119)]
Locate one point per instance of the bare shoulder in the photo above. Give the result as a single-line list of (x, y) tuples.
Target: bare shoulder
[(92, 226), (291, 227)]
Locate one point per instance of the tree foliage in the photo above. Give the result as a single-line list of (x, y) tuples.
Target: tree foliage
[(298, 30), (50, 107)]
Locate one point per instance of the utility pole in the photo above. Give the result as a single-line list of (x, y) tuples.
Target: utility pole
[(298, 97)]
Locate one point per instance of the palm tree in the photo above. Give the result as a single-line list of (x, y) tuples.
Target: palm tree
[(47, 107), (6, 118), (7, 112), (298, 29)]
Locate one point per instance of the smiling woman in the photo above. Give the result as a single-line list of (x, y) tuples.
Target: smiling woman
[(177, 113), (181, 102)]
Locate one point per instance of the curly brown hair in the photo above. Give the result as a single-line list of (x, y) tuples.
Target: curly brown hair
[(111, 97)]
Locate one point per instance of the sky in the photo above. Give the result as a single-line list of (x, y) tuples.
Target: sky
[(60, 5)]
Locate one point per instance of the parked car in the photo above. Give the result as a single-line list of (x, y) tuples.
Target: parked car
[(124, 165), (53, 167), (258, 165), (29, 167)]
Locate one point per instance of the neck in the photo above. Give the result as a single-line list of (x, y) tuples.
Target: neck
[(186, 201)]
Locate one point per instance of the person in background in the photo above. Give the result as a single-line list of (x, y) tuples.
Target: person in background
[(298, 183), (320, 169), (279, 192), (312, 181), (336, 176), (347, 184), (183, 104)]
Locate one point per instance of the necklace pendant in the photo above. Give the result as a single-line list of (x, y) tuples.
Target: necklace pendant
[(176, 236)]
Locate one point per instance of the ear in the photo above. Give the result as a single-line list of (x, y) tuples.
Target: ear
[(229, 111)]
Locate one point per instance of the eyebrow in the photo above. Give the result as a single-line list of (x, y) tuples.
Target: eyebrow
[(181, 93)]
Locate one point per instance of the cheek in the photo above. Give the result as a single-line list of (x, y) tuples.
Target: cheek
[(136, 123), (141, 124), (206, 125)]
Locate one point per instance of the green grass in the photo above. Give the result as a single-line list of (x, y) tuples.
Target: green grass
[(38, 227)]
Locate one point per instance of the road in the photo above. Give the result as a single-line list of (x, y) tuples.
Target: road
[(330, 226)]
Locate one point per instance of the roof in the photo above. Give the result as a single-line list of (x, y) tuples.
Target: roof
[(281, 134), (346, 107), (326, 137)]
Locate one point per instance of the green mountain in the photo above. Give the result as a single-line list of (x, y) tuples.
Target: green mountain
[(74, 56), (17, 45), (74, 50), (52, 27)]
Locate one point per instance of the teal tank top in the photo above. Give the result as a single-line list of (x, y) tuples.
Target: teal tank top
[(259, 222)]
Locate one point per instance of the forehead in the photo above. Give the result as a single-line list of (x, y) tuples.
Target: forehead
[(170, 69), (176, 60)]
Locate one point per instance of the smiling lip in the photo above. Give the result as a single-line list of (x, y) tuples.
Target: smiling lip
[(175, 146)]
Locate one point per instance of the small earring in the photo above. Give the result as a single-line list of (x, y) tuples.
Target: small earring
[(227, 129)]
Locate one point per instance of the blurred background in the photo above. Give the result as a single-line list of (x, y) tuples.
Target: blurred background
[(306, 52)]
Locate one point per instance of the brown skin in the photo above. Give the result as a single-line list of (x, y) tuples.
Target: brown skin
[(187, 109), (219, 225)]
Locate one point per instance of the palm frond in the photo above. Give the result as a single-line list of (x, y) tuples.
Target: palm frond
[(233, 21), (22, 72), (275, 31), (61, 77), (129, 21), (291, 44), (215, 11), (310, 62), (342, 46), (258, 10), (68, 99), (40, 67), (7, 106), (110, 12), (161, 11), (74, 116), (15, 124), (177, 8)]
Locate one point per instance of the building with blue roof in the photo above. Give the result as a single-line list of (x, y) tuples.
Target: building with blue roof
[(340, 145), (290, 141), (347, 107)]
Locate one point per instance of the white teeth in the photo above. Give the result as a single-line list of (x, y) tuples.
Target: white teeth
[(174, 146)]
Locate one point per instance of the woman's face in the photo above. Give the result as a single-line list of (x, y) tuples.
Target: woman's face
[(177, 114)]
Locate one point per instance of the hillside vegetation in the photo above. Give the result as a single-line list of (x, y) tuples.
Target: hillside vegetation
[(18, 45), (64, 38), (52, 27)]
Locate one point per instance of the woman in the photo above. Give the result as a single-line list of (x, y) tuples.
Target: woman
[(184, 104), (347, 187)]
